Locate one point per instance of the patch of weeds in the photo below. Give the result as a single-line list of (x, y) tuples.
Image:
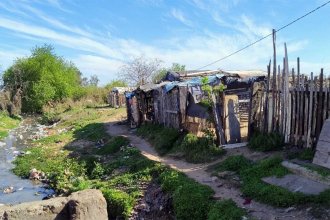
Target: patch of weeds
[(7, 123), (50, 118), (191, 200), (266, 141), (324, 172), (233, 163), (60, 169), (199, 149), (254, 187), (113, 145), (161, 137), (226, 210), (119, 203), (306, 154)]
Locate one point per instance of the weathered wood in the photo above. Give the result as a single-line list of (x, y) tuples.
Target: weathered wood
[(314, 117), (274, 81), (217, 122), (266, 111), (306, 124), (319, 107), (310, 111), (287, 97)]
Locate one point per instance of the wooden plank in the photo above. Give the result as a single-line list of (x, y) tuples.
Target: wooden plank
[(279, 86), (294, 108), (314, 117), (287, 97), (274, 82), (217, 122), (266, 109), (319, 107), (298, 102), (310, 111), (305, 112)]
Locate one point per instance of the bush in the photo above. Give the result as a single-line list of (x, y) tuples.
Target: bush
[(234, 163), (199, 149), (192, 201), (266, 142), (225, 210), (162, 138), (119, 203)]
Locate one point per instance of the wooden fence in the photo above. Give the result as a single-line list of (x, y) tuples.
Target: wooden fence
[(294, 104)]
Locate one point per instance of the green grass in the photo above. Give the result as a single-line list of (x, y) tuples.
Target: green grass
[(266, 141), (226, 210), (194, 149), (6, 124), (162, 138), (252, 186), (324, 172), (113, 145)]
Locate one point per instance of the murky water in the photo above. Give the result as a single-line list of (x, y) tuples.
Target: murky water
[(24, 190)]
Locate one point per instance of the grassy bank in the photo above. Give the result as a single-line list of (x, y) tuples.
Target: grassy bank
[(73, 159), (6, 124)]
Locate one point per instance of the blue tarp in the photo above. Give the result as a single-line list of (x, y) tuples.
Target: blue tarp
[(129, 95), (197, 81)]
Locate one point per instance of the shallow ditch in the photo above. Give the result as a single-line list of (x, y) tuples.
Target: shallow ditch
[(13, 189)]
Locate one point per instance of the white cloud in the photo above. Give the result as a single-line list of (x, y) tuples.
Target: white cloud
[(180, 16)]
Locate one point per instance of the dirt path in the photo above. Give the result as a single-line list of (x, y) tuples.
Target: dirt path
[(198, 172)]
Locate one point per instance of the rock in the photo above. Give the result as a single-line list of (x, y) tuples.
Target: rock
[(87, 204), (289, 209), (8, 190), (225, 174), (214, 179)]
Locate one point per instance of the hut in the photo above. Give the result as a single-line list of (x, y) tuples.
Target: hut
[(116, 97), (179, 102)]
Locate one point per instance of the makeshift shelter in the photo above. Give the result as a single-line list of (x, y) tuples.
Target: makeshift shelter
[(177, 102), (116, 98)]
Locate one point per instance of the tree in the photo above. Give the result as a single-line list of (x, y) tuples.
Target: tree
[(42, 77), (94, 80), (139, 71), (162, 73), (115, 83)]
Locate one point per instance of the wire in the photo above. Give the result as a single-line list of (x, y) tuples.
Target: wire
[(257, 41)]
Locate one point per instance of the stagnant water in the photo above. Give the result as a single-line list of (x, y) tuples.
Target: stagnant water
[(25, 190)]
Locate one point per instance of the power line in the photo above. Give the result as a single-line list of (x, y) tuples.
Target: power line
[(257, 41)]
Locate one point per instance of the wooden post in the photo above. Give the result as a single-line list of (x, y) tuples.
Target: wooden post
[(310, 111), (274, 81), (319, 107), (279, 86), (217, 122), (266, 109), (306, 124), (287, 96), (294, 106)]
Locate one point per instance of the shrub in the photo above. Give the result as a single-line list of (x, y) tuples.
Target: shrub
[(225, 210), (266, 142), (199, 149), (192, 201), (119, 203), (162, 138), (234, 163)]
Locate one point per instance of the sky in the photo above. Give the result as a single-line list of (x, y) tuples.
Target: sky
[(100, 36)]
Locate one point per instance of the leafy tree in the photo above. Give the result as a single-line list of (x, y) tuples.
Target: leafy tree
[(139, 71), (115, 83), (41, 78), (162, 73)]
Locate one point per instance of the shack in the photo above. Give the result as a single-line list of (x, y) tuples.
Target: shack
[(116, 97), (179, 102)]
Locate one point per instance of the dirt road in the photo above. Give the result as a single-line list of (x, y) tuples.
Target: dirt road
[(198, 172)]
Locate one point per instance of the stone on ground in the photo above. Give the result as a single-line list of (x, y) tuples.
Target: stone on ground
[(83, 205), (322, 154), (295, 183)]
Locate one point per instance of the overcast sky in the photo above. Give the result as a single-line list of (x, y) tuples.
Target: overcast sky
[(100, 35)]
